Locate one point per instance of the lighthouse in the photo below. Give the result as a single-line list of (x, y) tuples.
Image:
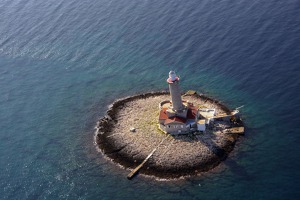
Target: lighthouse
[(176, 116), (177, 108)]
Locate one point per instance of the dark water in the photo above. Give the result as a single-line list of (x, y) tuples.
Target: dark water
[(63, 62)]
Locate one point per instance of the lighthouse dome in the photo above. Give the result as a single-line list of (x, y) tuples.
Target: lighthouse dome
[(172, 75)]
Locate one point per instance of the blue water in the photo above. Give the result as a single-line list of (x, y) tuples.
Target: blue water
[(63, 62)]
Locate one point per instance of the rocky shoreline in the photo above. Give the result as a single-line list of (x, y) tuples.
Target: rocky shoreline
[(175, 156)]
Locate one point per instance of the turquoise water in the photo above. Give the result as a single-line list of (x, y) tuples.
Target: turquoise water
[(63, 62)]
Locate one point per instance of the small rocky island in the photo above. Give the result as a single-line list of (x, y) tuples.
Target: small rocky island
[(168, 135)]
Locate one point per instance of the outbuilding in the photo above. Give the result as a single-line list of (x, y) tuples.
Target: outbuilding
[(201, 125)]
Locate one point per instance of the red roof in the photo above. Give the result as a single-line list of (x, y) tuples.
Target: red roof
[(170, 81), (175, 120), (163, 114), (192, 112)]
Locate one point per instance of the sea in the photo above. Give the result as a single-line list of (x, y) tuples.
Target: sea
[(63, 62)]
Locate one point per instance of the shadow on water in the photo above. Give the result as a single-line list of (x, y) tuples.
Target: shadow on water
[(238, 169)]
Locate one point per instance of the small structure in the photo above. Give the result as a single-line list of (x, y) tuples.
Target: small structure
[(201, 125), (206, 117)]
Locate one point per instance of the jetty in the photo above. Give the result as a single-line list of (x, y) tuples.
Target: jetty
[(135, 171)]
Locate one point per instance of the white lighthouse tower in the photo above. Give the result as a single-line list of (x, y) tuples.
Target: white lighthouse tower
[(177, 108), (176, 116)]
